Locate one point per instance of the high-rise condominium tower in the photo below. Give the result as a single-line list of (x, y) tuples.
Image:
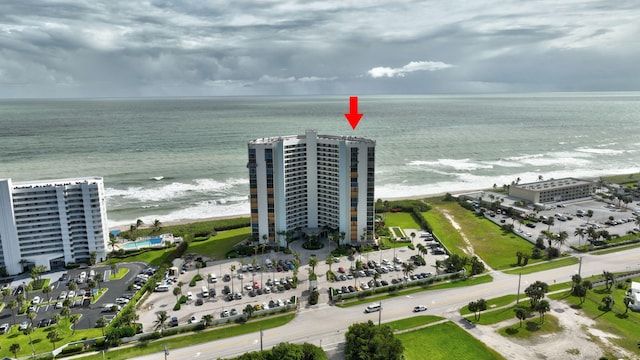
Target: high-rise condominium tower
[(51, 223), (312, 184)]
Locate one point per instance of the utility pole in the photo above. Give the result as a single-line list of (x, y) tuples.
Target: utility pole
[(261, 339), (166, 352), (580, 266), (380, 315), (518, 296)]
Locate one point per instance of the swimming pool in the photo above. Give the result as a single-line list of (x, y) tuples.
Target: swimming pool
[(137, 244), (142, 243)]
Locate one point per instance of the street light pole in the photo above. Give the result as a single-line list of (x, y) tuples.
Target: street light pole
[(580, 266), (380, 315), (261, 339), (166, 352)]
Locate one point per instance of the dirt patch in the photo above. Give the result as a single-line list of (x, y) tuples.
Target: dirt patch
[(577, 340)]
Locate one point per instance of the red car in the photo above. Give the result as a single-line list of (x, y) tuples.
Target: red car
[(341, 270)]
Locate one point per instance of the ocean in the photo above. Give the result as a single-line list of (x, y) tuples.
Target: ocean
[(185, 158)]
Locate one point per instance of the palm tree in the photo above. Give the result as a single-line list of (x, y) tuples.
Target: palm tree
[(65, 311), (20, 298), (31, 315), (177, 292), (5, 292), (407, 270), (232, 268), (53, 336), (15, 349), (74, 320), (550, 222), (139, 223), (55, 318), (413, 236), (207, 319), (101, 323), (608, 302), (313, 261), (521, 314), (329, 261), (113, 242), (28, 331), (376, 276), (580, 233), (481, 306), (561, 238), (248, 310), (627, 301), (542, 308), (156, 225), (161, 321)]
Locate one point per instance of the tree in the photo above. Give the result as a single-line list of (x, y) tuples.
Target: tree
[(139, 223), (608, 302), (28, 331), (15, 349), (610, 279), (369, 341), (561, 239), (54, 336), (74, 320), (113, 241), (536, 292), (93, 256), (627, 301), (477, 266), (550, 222), (313, 261), (101, 323), (156, 225), (5, 292), (13, 305), (413, 236), (232, 268), (482, 306), (161, 321), (31, 315), (407, 270), (207, 320), (580, 233), (543, 307), (329, 261), (98, 279), (248, 310), (521, 313), (473, 307), (519, 255), (177, 292), (575, 280), (65, 311)]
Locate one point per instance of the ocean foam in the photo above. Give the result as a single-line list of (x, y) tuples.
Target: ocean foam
[(173, 190), (457, 164)]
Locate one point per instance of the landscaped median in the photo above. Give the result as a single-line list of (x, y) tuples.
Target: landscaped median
[(548, 265)]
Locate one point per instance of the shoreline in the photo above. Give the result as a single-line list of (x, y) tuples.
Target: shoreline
[(225, 217)]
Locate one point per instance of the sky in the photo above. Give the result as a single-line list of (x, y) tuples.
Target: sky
[(134, 48)]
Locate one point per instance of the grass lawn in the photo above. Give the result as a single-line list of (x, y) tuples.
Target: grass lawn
[(39, 338), (497, 248), (544, 266), (444, 341), (493, 303), (412, 290), (120, 274), (151, 257), (493, 317), (401, 219), (614, 249), (532, 327), (413, 322), (624, 326), (388, 244), (194, 338), (218, 246)]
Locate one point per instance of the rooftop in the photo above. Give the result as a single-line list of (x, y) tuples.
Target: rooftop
[(553, 184)]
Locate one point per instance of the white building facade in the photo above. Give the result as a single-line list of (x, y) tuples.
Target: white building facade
[(51, 223), (312, 183)]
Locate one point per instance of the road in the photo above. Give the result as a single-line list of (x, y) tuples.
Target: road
[(325, 325)]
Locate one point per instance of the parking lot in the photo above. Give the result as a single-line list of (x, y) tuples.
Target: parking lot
[(570, 215), (51, 303), (268, 286)]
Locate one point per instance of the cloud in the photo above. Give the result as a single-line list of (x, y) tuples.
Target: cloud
[(79, 48), (378, 72)]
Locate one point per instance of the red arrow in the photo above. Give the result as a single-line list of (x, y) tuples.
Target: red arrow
[(353, 117)]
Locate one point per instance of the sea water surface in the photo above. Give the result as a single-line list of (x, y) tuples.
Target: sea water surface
[(185, 158)]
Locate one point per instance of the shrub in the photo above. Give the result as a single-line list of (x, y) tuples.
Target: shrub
[(313, 298)]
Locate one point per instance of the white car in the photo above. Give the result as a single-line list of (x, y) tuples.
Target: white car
[(193, 319), (36, 300), (59, 305), (189, 295), (419, 308), (23, 326), (72, 294), (63, 295)]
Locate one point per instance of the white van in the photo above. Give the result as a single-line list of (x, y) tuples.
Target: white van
[(205, 292), (213, 278), (268, 263), (373, 308)]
